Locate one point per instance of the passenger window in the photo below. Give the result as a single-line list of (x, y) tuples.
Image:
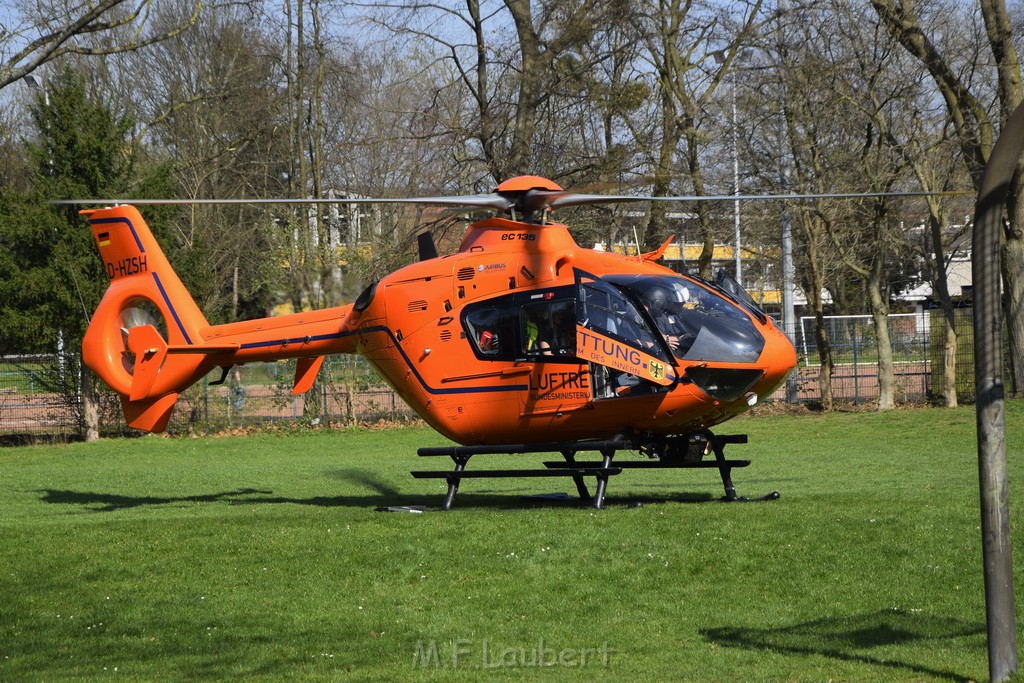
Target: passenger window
[(523, 325), (548, 329), (483, 327)]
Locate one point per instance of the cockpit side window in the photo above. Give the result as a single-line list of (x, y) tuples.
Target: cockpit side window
[(605, 310), (728, 285)]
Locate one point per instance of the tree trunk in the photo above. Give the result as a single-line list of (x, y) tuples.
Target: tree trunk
[(1012, 263), (813, 288), (657, 224), (824, 356), (940, 286), (703, 214), (880, 315), (535, 63), (949, 362), (90, 405)]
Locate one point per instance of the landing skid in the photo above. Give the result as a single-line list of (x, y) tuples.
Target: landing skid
[(679, 452), (774, 495)]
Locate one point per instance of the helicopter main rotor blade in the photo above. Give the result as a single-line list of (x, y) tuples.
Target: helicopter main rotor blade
[(487, 201), (533, 200), (570, 199)]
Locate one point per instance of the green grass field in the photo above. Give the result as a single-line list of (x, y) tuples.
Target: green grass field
[(262, 558)]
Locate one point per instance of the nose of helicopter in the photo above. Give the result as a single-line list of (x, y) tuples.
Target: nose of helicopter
[(781, 360)]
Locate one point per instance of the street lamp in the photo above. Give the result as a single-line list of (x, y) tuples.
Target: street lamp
[(34, 84)]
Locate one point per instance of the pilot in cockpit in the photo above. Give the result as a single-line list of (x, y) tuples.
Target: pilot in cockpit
[(667, 308)]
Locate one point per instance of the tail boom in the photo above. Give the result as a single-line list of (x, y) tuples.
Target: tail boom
[(296, 335)]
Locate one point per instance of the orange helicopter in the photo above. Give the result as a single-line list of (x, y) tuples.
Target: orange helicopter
[(521, 342)]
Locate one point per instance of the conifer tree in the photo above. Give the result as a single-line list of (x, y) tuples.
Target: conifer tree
[(51, 277)]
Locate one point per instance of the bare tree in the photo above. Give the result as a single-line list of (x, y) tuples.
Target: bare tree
[(528, 93), (920, 138), (801, 143), (682, 40), (962, 91), (44, 31), (213, 106), (881, 95)]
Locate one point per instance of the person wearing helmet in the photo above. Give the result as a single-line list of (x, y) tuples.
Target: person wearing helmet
[(661, 303)]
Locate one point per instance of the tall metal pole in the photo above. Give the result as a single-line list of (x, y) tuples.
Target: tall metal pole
[(736, 182), (720, 57), (34, 84), (788, 292), (990, 401)]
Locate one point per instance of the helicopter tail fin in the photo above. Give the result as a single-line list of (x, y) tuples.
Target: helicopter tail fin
[(144, 339)]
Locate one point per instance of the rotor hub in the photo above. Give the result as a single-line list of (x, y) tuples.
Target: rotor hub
[(529, 195), (525, 183)]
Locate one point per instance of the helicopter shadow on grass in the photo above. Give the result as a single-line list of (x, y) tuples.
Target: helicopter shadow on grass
[(381, 494), (109, 502), (853, 638)]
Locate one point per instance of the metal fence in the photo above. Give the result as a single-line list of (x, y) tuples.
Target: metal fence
[(39, 394), (918, 348), (34, 400)]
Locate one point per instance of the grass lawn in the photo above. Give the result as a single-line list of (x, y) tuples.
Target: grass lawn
[(262, 557)]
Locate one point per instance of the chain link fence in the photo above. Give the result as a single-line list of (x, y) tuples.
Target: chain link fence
[(918, 350), (40, 395)]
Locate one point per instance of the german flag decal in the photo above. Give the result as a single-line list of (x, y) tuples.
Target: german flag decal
[(103, 238)]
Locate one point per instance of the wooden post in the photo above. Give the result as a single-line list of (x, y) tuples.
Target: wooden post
[(990, 401)]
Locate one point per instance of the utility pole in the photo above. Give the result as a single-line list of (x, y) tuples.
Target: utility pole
[(788, 289), (736, 183)]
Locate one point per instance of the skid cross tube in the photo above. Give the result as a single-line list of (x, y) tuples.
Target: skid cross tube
[(460, 455), (682, 452)]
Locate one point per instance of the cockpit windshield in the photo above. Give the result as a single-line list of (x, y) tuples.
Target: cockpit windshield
[(728, 285), (696, 322)]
